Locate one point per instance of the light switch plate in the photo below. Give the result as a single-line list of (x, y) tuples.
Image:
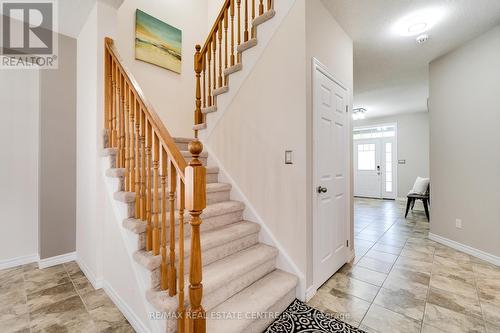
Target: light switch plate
[(288, 157)]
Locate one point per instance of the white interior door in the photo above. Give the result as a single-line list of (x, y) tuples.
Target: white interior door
[(375, 168), (331, 156)]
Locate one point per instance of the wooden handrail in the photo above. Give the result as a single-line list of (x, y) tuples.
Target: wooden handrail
[(155, 171), (232, 27), (219, 19), (166, 139)]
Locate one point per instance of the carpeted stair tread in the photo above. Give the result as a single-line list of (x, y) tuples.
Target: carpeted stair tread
[(109, 152), (198, 127), (264, 17), (129, 197), (116, 172), (247, 45), (257, 298), (209, 109), (218, 275), (209, 240), (216, 209), (233, 69)]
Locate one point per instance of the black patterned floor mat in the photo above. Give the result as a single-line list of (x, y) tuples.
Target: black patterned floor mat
[(301, 318)]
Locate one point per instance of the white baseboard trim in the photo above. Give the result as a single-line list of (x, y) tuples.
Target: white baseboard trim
[(311, 291), (57, 260), (94, 281), (351, 254), (466, 248), (135, 321), (18, 261)]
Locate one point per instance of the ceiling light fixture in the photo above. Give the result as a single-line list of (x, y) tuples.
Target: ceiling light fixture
[(358, 113), (418, 22)]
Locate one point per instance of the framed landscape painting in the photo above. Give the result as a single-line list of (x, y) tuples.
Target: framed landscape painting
[(157, 42)]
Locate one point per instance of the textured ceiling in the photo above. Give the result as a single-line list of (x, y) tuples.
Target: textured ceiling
[(390, 71)]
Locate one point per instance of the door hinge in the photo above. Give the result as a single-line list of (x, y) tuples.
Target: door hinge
[(347, 108), (347, 243)]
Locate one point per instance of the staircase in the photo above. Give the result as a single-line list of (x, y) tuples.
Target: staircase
[(234, 285)]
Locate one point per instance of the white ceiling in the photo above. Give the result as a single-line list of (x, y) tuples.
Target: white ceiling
[(390, 71)]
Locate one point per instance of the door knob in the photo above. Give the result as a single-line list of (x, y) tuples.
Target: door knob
[(322, 189)]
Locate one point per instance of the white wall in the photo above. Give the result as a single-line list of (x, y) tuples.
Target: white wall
[(265, 118), (413, 146), (171, 94), (87, 228), (465, 137), (19, 144), (327, 42)]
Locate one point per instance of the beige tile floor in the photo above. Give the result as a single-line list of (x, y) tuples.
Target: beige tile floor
[(400, 281), (55, 300)]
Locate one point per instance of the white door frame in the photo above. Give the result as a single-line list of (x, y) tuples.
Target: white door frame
[(317, 65), (395, 169)]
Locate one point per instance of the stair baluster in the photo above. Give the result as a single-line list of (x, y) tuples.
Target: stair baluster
[(246, 22), (253, 17), (204, 91), (114, 132), (219, 35), (122, 122), (143, 166), (119, 118), (156, 190), (209, 58), (107, 93), (214, 50), (126, 137), (132, 144), (149, 176), (238, 2), (181, 206), (225, 44), (138, 193), (232, 32), (172, 184), (164, 268)]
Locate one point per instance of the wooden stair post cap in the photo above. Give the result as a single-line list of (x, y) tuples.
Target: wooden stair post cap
[(195, 147)]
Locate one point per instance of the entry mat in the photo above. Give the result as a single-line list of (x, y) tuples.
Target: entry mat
[(301, 318)]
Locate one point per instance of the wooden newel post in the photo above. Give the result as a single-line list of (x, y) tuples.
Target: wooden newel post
[(195, 174), (198, 67)]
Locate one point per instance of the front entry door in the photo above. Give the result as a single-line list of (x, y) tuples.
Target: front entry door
[(375, 167), (367, 180), (331, 156)]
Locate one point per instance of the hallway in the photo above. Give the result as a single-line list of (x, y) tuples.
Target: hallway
[(400, 281), (55, 299)]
